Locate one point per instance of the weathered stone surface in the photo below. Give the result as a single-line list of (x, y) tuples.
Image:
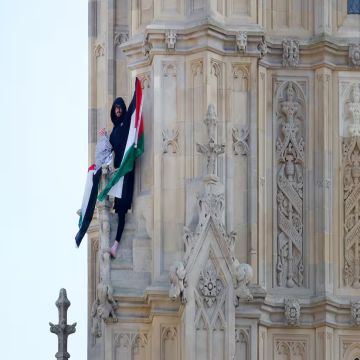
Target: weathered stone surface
[(282, 78)]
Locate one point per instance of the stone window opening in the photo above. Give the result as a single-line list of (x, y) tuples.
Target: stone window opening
[(353, 8)]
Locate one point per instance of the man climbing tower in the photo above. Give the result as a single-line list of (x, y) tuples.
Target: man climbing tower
[(127, 142)]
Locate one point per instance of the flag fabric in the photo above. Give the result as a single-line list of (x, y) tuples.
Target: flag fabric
[(134, 145), (88, 203)]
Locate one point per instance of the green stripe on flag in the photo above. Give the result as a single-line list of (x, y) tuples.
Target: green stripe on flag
[(80, 220)]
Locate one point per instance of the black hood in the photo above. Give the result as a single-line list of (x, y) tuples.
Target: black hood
[(115, 120)]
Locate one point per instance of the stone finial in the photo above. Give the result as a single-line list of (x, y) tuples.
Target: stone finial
[(262, 47), (170, 39), (62, 330), (355, 313), (354, 55), (292, 312), (291, 51), (177, 275), (146, 47), (241, 41), (210, 149)]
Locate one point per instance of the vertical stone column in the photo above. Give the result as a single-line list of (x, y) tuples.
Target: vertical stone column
[(323, 17), (323, 176), (263, 351), (262, 233), (253, 173), (324, 343)]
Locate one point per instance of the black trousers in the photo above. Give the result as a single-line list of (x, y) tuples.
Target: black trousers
[(121, 209)]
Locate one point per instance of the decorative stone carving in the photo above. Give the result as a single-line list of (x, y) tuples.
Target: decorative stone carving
[(291, 348), (243, 275), (291, 52), (62, 330), (292, 312), (355, 313), (210, 149), (262, 47), (351, 165), (291, 159), (133, 344), (120, 37), (146, 47), (102, 308), (241, 41), (242, 335), (354, 109), (145, 79), (211, 285), (170, 139), (354, 55), (211, 206), (240, 140), (170, 39), (177, 275), (99, 50)]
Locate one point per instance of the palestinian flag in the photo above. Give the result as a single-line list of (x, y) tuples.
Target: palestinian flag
[(89, 201), (134, 145)]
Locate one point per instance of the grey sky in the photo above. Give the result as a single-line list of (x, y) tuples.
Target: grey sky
[(43, 98)]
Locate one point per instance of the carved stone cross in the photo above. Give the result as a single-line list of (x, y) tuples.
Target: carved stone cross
[(62, 330), (210, 149)]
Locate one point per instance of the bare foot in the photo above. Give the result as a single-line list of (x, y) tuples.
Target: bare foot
[(113, 251)]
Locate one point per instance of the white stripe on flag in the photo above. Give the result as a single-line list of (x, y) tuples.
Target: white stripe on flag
[(87, 192), (116, 190)]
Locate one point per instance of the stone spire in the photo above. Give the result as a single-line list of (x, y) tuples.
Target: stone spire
[(62, 330)]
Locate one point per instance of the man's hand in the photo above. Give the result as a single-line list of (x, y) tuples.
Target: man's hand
[(102, 132)]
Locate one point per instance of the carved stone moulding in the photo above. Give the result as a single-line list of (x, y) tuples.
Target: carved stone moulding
[(292, 312), (170, 139), (354, 55), (240, 137), (291, 51), (99, 50), (121, 37)]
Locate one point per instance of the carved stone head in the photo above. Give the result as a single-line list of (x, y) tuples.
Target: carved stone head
[(241, 41)]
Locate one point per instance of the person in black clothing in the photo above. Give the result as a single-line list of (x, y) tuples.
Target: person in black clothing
[(118, 137)]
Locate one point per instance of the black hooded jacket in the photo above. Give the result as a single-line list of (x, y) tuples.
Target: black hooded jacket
[(118, 138)]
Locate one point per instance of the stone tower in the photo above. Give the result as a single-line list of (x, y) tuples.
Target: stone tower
[(243, 241)]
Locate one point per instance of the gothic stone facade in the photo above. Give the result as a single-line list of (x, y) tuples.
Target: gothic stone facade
[(281, 190)]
